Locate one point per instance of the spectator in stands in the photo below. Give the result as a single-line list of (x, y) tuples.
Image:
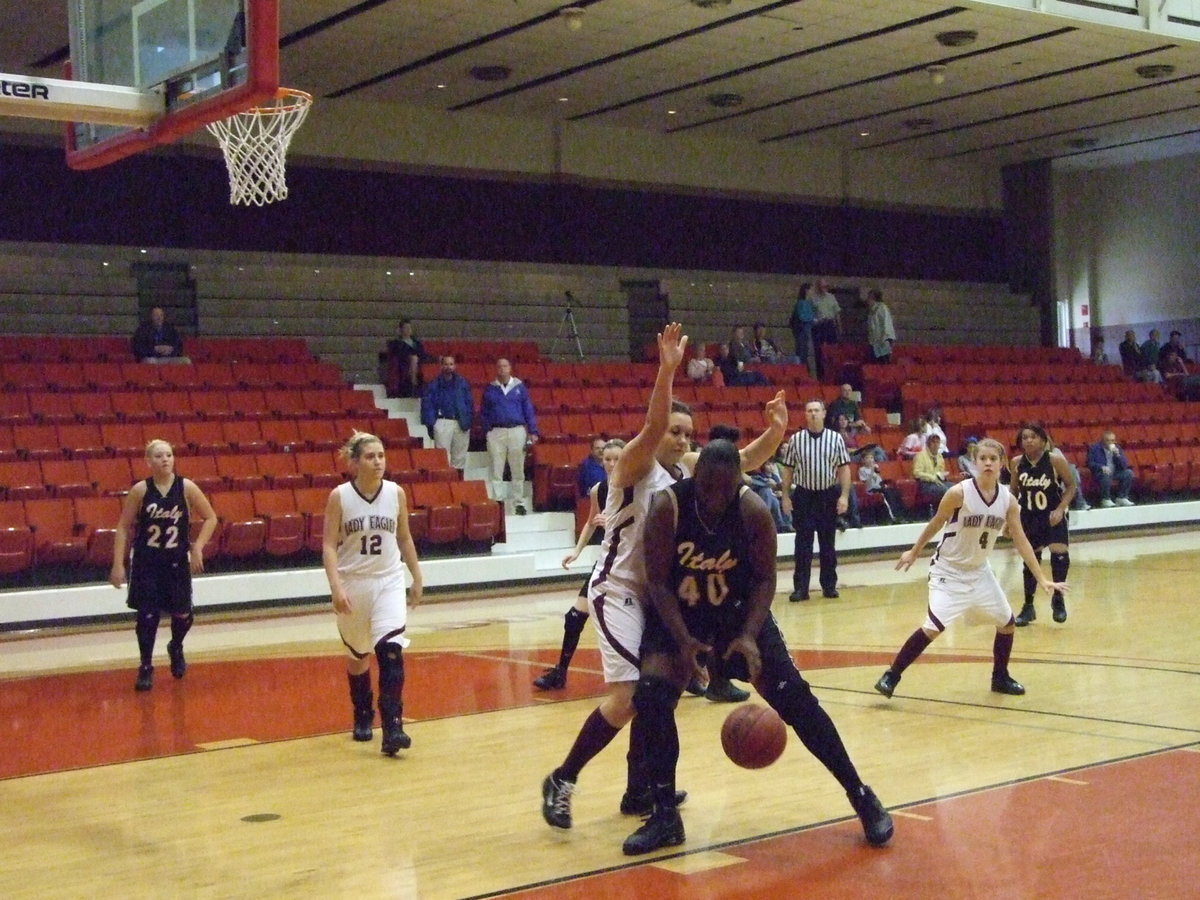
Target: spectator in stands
[(733, 371), (1099, 356), (767, 483), (509, 422), (764, 349), (406, 354), (929, 470), (966, 459), (868, 474), (1131, 355), (801, 322), (447, 410), (827, 325), (1151, 349), (881, 332), (1176, 374), (157, 340), (1176, 342), (846, 405), (701, 369), (914, 441), (739, 348), (1111, 469), (933, 425), (855, 445), (591, 470)]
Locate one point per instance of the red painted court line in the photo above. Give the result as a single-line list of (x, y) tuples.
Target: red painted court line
[(1125, 834), (74, 720)]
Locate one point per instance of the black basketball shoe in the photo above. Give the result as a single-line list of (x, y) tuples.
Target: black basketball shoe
[(145, 678), (178, 664), (1026, 615), (551, 680), (664, 828), (887, 683), (1006, 684), (362, 725), (1058, 606), (556, 801), (876, 823), (394, 738)]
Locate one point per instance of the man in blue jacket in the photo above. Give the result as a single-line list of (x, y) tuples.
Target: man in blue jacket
[(446, 410), (509, 423), (1111, 469)]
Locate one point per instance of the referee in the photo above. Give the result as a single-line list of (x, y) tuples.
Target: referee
[(816, 490)]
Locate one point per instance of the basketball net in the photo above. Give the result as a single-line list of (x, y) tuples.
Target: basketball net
[(255, 143)]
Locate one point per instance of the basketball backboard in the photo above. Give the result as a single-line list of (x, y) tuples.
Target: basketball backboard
[(203, 59)]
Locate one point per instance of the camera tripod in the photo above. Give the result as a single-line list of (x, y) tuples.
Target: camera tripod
[(568, 325)]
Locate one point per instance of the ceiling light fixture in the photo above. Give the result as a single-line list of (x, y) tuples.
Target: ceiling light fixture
[(711, 4), (1155, 71), (956, 38), (724, 101), (937, 73), (490, 73), (573, 16), (1082, 143)]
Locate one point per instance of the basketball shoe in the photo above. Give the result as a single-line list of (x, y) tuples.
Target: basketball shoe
[(178, 664), (556, 801), (1027, 615), (394, 738), (876, 823), (145, 678), (664, 828), (551, 679), (887, 683)]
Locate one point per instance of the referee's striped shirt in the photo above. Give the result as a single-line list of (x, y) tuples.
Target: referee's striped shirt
[(814, 458)]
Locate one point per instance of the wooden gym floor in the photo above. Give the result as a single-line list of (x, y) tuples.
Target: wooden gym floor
[(241, 780)]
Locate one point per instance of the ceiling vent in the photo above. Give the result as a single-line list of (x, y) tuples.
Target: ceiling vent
[(918, 124), (1082, 143), (724, 101), (711, 4), (490, 73), (956, 38), (1155, 71)]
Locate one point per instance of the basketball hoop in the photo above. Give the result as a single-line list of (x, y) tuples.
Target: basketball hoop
[(255, 143)]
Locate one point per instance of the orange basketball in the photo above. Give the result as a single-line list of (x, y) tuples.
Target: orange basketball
[(753, 736)]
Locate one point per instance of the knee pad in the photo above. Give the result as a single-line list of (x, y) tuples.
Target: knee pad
[(390, 656), (655, 694)]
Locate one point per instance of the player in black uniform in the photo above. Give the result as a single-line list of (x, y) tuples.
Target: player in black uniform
[(1041, 478), (162, 508), (710, 572)]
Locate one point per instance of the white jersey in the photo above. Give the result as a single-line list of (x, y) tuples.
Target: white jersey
[(367, 536), (971, 534), (621, 567)]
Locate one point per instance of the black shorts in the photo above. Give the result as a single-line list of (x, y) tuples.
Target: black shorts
[(1041, 533), (166, 589), (709, 625)]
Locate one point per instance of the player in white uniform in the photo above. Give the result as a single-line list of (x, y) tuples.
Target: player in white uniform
[(659, 455), (961, 581), (366, 547)]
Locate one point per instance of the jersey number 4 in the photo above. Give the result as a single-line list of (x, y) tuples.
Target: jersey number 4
[(715, 589), (370, 544)]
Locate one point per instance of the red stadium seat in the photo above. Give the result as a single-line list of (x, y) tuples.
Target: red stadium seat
[(56, 541), (243, 533), (240, 471), (67, 478), (204, 437), (134, 406), (280, 470), (282, 434), (93, 406), (484, 516), (202, 469), (434, 464), (98, 517), (285, 524), (244, 435), (446, 516), (51, 408), (213, 405), (82, 440), (112, 476), (311, 502), (321, 469), (38, 441), (21, 479)]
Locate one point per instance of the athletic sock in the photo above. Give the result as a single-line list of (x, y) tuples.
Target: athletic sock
[(1031, 582), (913, 647), (1001, 651), (573, 623), (146, 630), (1060, 565), (594, 736), (180, 626)]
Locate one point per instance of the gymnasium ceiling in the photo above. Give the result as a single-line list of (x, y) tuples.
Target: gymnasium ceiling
[(854, 75)]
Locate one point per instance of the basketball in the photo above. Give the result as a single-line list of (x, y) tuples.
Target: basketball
[(753, 736)]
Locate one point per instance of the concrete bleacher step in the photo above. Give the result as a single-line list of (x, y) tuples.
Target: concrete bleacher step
[(535, 532)]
